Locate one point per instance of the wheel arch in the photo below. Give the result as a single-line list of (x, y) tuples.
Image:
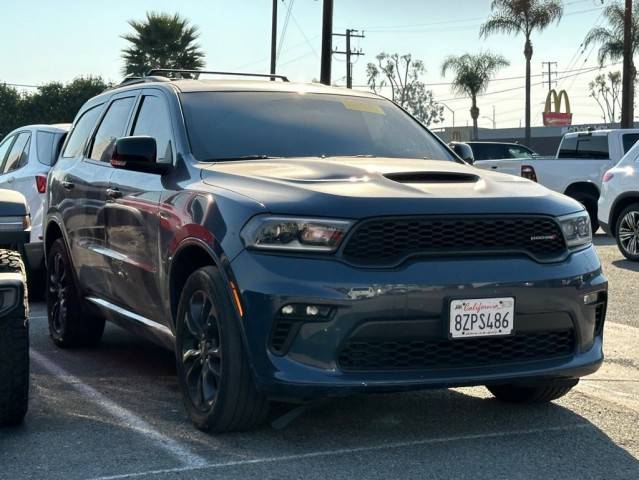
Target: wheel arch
[(52, 232), (620, 203), (582, 187)]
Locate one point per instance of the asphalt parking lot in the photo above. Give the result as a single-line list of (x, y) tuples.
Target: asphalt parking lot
[(115, 412)]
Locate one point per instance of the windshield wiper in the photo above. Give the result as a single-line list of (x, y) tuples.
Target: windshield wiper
[(242, 157)]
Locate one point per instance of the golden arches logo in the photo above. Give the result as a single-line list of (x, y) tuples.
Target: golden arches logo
[(555, 117)]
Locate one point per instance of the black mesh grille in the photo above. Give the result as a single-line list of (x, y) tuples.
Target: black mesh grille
[(390, 240), (281, 333), (444, 353), (600, 316)]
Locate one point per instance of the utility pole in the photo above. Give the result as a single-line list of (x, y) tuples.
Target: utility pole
[(350, 33), (627, 100), (550, 73), (327, 42), (273, 37)]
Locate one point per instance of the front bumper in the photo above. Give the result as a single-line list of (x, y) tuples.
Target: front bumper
[(410, 302)]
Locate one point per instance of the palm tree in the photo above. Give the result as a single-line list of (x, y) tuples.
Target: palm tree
[(472, 75), (522, 16), (610, 40), (161, 41)]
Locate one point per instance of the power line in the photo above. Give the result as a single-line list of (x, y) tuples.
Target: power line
[(350, 33)]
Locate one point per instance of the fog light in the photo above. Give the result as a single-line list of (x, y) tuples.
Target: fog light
[(591, 298), (288, 310), (312, 310)]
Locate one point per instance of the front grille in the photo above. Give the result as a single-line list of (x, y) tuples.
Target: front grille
[(390, 240), (445, 353)]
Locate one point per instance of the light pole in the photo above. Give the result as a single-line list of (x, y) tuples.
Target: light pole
[(450, 110)]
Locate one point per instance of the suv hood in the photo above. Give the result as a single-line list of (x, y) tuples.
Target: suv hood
[(353, 187)]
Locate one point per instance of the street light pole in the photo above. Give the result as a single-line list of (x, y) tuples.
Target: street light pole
[(627, 100), (327, 42), (273, 37), (450, 110)]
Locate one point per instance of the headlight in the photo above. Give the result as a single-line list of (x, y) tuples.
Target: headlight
[(301, 234), (576, 229)]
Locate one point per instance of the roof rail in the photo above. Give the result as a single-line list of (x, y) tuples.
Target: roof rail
[(196, 73), (135, 79)]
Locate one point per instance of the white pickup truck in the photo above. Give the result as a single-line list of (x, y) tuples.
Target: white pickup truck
[(577, 168)]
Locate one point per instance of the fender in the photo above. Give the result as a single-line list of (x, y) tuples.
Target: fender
[(613, 209)]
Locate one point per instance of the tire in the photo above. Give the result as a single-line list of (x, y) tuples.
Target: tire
[(213, 370), (627, 226), (69, 325), (590, 204), (14, 350), (511, 393)]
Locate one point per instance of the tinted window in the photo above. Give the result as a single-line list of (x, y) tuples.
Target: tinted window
[(227, 125), (489, 151), (112, 127), (80, 133), (517, 151), (153, 120), (5, 146), (629, 139), (48, 146), (19, 153), (586, 146)]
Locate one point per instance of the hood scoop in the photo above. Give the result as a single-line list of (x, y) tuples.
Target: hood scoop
[(432, 177)]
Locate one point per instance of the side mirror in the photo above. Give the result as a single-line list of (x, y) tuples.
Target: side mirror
[(137, 154), (464, 152)]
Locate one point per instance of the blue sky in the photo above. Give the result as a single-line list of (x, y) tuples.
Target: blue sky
[(45, 40)]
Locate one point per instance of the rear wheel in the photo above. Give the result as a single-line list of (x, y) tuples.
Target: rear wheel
[(512, 393), (213, 370), (627, 232), (69, 325), (14, 350)]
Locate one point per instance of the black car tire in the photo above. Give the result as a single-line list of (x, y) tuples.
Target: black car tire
[(213, 369), (511, 393), (14, 350), (630, 209), (69, 324), (590, 204)]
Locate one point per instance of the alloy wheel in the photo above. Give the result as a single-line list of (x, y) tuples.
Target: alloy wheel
[(629, 232), (58, 293), (201, 352)]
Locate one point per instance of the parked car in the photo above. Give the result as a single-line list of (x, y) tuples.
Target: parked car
[(14, 329), (296, 242), (26, 155), (577, 168), (619, 204), (492, 154)]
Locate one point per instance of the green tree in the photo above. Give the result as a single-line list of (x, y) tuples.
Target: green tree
[(10, 102), (472, 74), (522, 17), (402, 75), (610, 39), (161, 41)]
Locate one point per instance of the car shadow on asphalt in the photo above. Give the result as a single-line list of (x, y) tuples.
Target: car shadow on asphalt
[(601, 239), (626, 265)]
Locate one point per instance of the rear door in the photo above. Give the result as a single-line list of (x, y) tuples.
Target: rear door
[(87, 184), (132, 220), (16, 159)]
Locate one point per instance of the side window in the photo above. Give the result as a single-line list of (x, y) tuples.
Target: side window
[(153, 120), (19, 154), (629, 139), (112, 127), (80, 133), (45, 142), (5, 146)]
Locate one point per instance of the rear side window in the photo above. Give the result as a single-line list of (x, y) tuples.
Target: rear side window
[(80, 133), (19, 154), (47, 144), (487, 151), (587, 146), (5, 146), (112, 127), (153, 120), (629, 139)]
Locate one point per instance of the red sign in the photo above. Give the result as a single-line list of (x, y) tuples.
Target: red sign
[(557, 119)]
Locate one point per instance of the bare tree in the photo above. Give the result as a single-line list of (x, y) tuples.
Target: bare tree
[(606, 90)]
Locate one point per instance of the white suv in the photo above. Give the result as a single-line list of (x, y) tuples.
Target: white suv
[(26, 156), (619, 203)]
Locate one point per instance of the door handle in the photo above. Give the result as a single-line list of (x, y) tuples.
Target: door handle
[(494, 167), (68, 185), (113, 193), (10, 179)]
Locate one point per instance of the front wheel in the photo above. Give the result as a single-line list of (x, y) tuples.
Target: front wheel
[(627, 232), (212, 365), (513, 393)]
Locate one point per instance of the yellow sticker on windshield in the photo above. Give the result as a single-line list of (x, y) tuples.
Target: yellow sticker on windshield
[(368, 107)]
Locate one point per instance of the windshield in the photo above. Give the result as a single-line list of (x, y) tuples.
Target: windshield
[(235, 125)]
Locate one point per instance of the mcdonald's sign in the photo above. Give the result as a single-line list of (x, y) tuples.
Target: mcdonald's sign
[(555, 117)]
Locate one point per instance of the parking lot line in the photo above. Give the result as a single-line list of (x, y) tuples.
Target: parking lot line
[(346, 451), (129, 420)]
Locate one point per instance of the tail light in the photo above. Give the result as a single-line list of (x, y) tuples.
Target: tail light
[(608, 176), (41, 182), (528, 172)]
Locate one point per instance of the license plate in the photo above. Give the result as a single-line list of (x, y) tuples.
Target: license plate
[(481, 317)]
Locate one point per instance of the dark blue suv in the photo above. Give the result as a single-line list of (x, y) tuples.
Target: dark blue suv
[(292, 242)]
